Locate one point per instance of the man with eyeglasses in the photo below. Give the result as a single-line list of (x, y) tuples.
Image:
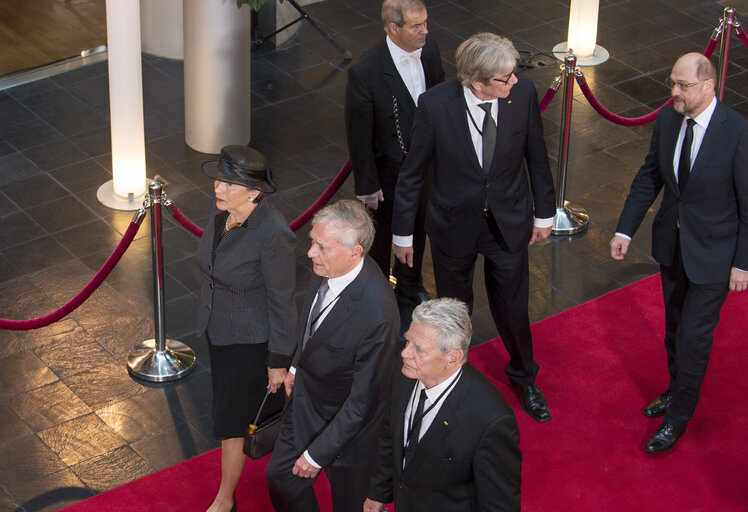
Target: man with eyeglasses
[(492, 193), (699, 157)]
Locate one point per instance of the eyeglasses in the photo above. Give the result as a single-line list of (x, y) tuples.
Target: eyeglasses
[(670, 83), (514, 72)]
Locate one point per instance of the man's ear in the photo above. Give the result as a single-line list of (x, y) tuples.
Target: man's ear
[(455, 356), (357, 252)]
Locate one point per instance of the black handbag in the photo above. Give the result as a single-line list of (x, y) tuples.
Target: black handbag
[(261, 437)]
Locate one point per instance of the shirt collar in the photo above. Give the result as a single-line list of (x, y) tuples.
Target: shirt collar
[(704, 118), (472, 100), (397, 53), (338, 284), (434, 392)]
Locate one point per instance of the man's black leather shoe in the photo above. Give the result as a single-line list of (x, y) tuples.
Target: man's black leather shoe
[(659, 405), (665, 437), (534, 402)]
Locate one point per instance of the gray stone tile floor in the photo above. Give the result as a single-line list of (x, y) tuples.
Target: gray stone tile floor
[(72, 421)]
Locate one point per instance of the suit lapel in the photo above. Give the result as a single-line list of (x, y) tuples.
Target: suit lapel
[(395, 83), (398, 422), (445, 421), (341, 310), (457, 109), (506, 109), (671, 130), (712, 136)]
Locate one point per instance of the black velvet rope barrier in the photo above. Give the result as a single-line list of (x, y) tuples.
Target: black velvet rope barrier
[(302, 219), (85, 293), (628, 121)]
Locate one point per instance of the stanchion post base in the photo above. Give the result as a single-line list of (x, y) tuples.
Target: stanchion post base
[(106, 196), (570, 220), (144, 362), (600, 55)]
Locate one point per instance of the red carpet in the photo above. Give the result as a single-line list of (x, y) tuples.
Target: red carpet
[(601, 362)]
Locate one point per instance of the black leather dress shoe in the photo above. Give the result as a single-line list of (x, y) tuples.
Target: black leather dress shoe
[(665, 437), (659, 405), (534, 402)]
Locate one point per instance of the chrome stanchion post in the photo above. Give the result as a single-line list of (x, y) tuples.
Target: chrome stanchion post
[(728, 20), (159, 359), (569, 219)]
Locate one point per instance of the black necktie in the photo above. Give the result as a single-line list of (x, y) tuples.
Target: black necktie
[(321, 292), (489, 137), (415, 428), (684, 165)]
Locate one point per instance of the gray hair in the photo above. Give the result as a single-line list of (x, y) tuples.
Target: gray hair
[(451, 318), (392, 11), (705, 69), (357, 228), (484, 56)]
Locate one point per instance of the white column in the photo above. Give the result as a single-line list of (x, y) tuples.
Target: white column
[(582, 35), (217, 44), (127, 188), (161, 28)]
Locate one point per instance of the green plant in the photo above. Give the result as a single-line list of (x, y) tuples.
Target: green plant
[(253, 4)]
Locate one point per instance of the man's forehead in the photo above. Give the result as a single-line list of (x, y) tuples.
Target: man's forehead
[(415, 16)]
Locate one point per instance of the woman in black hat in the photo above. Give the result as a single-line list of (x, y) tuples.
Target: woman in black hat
[(246, 308)]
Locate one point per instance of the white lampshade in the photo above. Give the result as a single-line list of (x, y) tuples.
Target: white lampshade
[(583, 27), (582, 36), (128, 185)]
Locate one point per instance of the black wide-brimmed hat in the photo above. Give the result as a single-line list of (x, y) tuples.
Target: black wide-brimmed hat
[(242, 165)]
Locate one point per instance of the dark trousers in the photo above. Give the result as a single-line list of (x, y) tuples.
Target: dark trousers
[(507, 280), (349, 485), (409, 279), (691, 315)]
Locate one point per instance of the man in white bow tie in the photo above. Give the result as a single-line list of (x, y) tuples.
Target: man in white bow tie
[(380, 103)]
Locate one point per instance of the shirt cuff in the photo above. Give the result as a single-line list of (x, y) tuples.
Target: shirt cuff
[(402, 241), (310, 460), (623, 235), (544, 223), (292, 370)]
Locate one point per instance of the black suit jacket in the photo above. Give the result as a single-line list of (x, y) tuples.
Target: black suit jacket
[(373, 145), (713, 209), (460, 189), (468, 460), (247, 283), (343, 373)]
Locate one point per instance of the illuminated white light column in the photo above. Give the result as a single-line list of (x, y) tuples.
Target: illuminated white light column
[(128, 186), (582, 36)]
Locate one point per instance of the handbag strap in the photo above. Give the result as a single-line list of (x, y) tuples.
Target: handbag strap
[(254, 425)]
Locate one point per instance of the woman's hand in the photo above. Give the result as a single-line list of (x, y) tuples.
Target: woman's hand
[(275, 378)]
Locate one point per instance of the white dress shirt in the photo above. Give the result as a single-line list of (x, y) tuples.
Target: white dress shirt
[(432, 394), (409, 65), (699, 129), (478, 114)]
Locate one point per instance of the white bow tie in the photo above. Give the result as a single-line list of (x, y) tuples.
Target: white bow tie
[(416, 55)]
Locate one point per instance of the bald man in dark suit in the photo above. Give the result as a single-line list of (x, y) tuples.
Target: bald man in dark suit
[(699, 158)]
